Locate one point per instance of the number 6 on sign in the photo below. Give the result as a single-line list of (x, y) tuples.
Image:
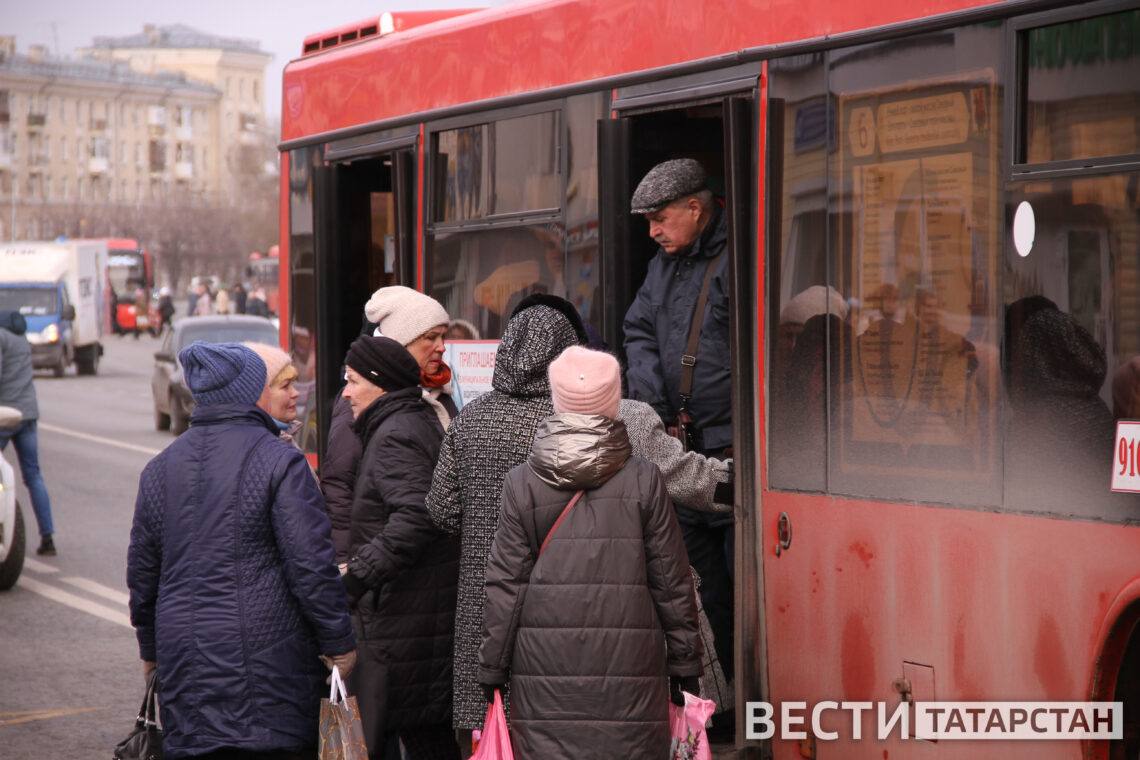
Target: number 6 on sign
[(1126, 469)]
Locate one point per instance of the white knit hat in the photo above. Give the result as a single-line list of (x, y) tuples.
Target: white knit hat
[(816, 300), (404, 314)]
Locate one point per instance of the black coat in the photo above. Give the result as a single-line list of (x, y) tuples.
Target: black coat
[(657, 331), (405, 620), (338, 475), (338, 470)]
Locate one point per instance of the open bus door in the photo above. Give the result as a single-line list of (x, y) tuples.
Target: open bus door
[(720, 132), (366, 192)]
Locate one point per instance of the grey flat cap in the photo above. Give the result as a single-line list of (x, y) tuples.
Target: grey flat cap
[(667, 182)]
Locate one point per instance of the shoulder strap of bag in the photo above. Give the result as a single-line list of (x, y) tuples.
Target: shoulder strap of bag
[(554, 528), (689, 358)]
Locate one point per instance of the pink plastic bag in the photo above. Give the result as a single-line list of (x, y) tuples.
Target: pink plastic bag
[(495, 740), (687, 727)]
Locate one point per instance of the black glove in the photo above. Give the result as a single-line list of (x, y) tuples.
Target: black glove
[(354, 587), (489, 691), (678, 684)]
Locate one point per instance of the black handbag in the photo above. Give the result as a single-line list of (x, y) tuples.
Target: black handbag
[(145, 741)]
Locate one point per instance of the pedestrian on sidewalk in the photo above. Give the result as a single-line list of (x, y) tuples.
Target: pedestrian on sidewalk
[(17, 390), (234, 592), (403, 571), (591, 612), (418, 322)]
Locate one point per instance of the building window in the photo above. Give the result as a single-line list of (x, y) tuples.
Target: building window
[(256, 91)]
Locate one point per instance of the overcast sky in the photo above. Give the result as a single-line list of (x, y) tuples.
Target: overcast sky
[(64, 25)]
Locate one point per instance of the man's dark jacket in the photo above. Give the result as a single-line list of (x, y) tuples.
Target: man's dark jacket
[(657, 332), (410, 568), (233, 587)]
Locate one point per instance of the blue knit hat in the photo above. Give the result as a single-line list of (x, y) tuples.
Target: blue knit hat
[(222, 373)]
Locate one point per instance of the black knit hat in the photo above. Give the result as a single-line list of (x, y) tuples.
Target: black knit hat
[(383, 362), (561, 305)]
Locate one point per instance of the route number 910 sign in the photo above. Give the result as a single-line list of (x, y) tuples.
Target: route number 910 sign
[(1126, 465)]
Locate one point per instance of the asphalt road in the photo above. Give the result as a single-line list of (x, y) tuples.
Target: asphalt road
[(70, 678)]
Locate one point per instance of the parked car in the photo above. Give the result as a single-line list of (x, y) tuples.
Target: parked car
[(172, 401), (11, 520)]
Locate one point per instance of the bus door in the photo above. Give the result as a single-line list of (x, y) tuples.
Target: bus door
[(711, 118), (365, 240)]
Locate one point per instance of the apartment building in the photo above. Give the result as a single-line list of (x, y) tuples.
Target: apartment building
[(171, 115), (234, 67)]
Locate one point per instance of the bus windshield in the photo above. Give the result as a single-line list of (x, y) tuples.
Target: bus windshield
[(126, 270), (31, 302)]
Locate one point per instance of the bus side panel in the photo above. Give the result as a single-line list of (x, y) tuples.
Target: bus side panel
[(865, 587)]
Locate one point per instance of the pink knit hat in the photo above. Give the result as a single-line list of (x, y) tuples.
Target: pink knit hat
[(585, 382), (275, 359)]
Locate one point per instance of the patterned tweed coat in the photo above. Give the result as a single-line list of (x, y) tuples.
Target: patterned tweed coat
[(492, 435)]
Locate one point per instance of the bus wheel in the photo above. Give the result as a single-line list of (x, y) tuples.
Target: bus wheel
[(1128, 692), (87, 360), (60, 366)]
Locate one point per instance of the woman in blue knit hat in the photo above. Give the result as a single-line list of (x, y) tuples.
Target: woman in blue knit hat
[(234, 591)]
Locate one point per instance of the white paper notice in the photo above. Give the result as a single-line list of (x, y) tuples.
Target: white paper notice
[(1126, 465), (472, 365)]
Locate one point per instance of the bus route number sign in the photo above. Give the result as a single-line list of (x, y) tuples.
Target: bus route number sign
[(1126, 463)]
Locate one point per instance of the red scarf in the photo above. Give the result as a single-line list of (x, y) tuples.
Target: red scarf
[(438, 380)]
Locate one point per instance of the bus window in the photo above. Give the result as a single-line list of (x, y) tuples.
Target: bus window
[(1072, 280), (1081, 99), (807, 313), (303, 291), (885, 331), (500, 167), (506, 225)]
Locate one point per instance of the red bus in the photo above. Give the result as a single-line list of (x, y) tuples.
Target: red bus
[(129, 267), (935, 252)]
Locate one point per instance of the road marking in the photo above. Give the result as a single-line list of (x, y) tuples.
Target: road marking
[(75, 602), (27, 716), (99, 439), (98, 589), (39, 567)]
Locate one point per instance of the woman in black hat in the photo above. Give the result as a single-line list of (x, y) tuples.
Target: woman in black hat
[(402, 572)]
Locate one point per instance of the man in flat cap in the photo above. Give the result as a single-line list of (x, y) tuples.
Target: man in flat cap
[(680, 368)]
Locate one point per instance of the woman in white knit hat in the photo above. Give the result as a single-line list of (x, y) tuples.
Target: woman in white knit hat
[(590, 613), (419, 323)]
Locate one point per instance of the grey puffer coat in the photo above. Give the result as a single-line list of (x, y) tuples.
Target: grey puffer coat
[(491, 435), (588, 633)]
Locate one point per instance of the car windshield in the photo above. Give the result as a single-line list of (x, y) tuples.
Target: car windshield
[(229, 333), (31, 302)]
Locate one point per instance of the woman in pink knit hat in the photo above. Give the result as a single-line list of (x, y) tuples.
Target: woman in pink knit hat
[(590, 612)]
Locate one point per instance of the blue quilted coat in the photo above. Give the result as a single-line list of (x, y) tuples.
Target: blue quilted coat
[(233, 587)]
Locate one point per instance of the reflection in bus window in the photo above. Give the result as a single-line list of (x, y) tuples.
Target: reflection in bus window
[(497, 168), (917, 166), (1082, 93), (303, 291), (808, 313), (1072, 342), (902, 168), (480, 275)]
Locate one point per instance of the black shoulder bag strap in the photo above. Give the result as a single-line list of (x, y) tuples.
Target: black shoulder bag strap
[(689, 358)]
